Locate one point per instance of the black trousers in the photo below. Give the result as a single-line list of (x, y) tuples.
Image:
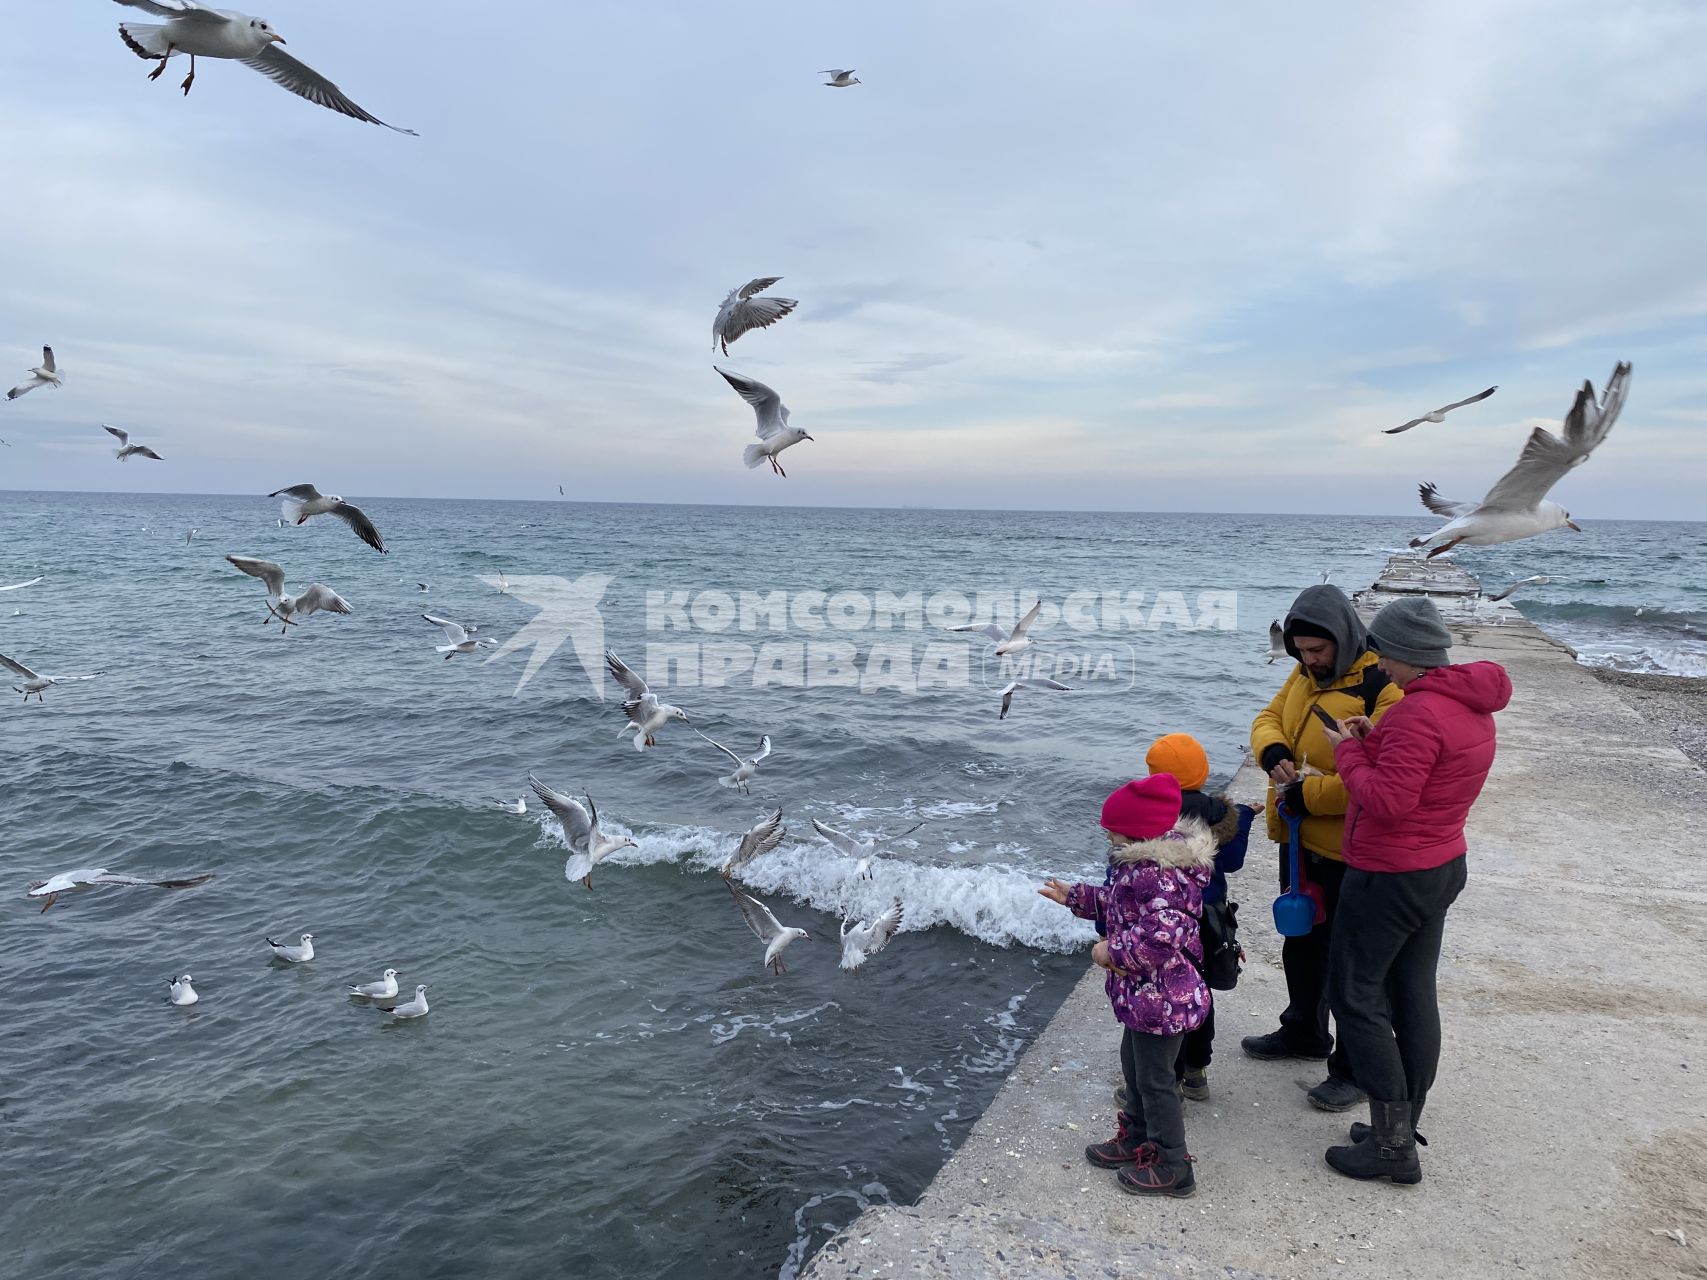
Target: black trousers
[(1382, 986), (1152, 1103), (1197, 1048), (1305, 1019)]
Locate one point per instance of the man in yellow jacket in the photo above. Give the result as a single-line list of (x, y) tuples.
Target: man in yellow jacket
[(1336, 671)]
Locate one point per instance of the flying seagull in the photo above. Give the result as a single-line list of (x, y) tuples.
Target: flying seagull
[(840, 79), (46, 374), (646, 712), (19, 586), (292, 952), (198, 31), (588, 846), (1007, 641), (34, 682), (416, 1008), (1537, 580), (183, 991), (1276, 643), (1518, 506), (1439, 415), (763, 836), (741, 312), (301, 501), (423, 587), (865, 940), (1029, 682), (286, 609), (126, 448), (503, 583), (99, 877), (384, 989), (765, 927), (457, 639), (864, 852), (773, 430), (744, 768)]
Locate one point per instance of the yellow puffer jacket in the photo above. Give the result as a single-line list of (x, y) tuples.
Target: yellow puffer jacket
[(1287, 720)]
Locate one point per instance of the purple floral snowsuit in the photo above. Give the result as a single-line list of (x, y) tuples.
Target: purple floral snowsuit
[(1148, 909)]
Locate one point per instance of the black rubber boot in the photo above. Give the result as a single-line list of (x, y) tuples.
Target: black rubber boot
[(1390, 1150), (1361, 1131), (1167, 1173)]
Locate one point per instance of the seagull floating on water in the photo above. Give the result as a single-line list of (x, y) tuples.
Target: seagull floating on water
[(36, 683), (765, 927), (517, 806), (840, 79), (1518, 507), (865, 940), (200, 32), (416, 1008), (384, 989), (99, 877), (741, 312), (744, 768), (294, 953), (588, 846), (1028, 682), (183, 991), (773, 430), (285, 609), (763, 836), (303, 501), (1276, 643), (457, 639), (1439, 415), (46, 374), (647, 713), (1536, 580), (1007, 641), (126, 448)]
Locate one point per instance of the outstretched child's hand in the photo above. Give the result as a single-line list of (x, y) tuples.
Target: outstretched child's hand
[(1056, 890)]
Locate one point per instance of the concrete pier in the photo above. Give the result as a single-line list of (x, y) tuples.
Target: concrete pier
[(1568, 1130)]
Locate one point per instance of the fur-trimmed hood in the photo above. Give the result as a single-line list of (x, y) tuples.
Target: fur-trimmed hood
[(1189, 844)]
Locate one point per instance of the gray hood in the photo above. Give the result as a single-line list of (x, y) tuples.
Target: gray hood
[(1327, 607)]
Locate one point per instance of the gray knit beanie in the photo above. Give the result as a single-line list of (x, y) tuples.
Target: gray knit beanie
[(1410, 630)]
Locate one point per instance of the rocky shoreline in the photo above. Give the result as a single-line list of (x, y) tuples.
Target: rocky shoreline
[(1676, 706)]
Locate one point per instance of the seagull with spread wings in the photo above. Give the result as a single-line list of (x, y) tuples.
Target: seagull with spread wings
[(840, 79), (1028, 682), (588, 846), (46, 374), (1518, 506), (742, 312), (283, 608), (745, 767), (765, 926), (126, 448), (862, 851), (304, 501), (865, 940), (457, 639), (1535, 580), (773, 430), (1276, 643), (50, 889), (19, 586), (763, 836), (647, 713), (1439, 415), (35, 682), (200, 32), (1007, 640)]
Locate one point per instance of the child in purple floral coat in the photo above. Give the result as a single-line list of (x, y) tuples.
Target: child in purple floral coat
[(1161, 865)]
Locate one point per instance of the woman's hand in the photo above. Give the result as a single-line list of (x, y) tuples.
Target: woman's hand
[(1358, 726), (1337, 734), (1056, 890), (1099, 956)]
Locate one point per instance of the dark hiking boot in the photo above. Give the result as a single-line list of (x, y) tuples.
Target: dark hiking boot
[(1120, 1150), (1334, 1094), (1167, 1173), (1194, 1084), (1390, 1151), (1277, 1045)]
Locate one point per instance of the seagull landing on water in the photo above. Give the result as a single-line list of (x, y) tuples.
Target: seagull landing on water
[(302, 501), (646, 713), (285, 609), (416, 1008), (200, 32), (1276, 643), (1518, 507), (765, 927), (34, 682), (1538, 580), (1028, 682), (840, 79), (126, 448), (183, 991), (98, 877), (384, 989), (46, 374), (744, 768), (457, 639), (763, 836), (518, 806), (299, 953), (1439, 415), (865, 940), (773, 430), (741, 312), (1006, 641), (588, 846)]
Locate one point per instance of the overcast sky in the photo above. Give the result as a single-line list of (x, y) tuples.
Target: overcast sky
[(1121, 255)]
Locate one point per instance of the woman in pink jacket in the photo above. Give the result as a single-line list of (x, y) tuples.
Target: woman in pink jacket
[(1410, 782)]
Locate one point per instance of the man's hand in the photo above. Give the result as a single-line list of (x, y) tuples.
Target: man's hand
[(1099, 956), (1056, 890), (1284, 774)]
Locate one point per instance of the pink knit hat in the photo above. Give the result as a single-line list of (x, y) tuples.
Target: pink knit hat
[(1143, 809)]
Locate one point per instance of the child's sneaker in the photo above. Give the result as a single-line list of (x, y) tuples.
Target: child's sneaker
[(1166, 1173), (1120, 1150), (1195, 1084)]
